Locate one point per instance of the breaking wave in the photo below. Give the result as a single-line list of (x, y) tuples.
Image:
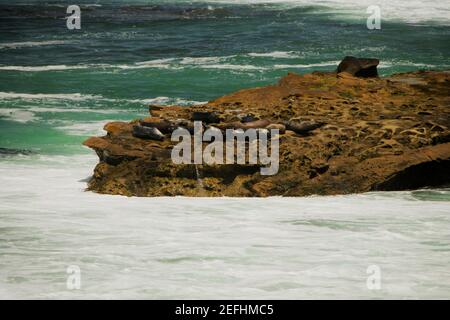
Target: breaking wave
[(65, 96), (16, 45)]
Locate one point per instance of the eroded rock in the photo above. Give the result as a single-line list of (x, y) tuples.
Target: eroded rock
[(342, 135)]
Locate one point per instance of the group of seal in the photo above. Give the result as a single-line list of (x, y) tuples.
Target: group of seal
[(156, 128)]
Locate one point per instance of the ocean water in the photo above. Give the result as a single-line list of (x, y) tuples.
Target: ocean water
[(292, 248), (58, 87)]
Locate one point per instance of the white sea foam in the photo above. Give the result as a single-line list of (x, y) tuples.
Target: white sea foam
[(402, 63), (194, 248), (276, 54), (15, 45), (157, 63), (18, 115), (88, 128), (215, 62), (29, 114), (169, 63), (64, 96), (227, 66), (310, 65), (139, 65), (168, 101), (411, 11), (173, 63), (61, 67), (87, 97), (203, 60), (77, 110)]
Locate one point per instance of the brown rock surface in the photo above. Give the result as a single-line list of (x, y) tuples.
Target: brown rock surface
[(374, 134)]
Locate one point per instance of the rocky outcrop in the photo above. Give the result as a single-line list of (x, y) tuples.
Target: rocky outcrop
[(339, 134), (359, 67)]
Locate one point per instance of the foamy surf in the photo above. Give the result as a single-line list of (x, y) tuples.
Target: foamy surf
[(410, 11), (51, 67), (304, 66), (30, 113), (88, 128), (256, 62), (272, 248), (18, 115), (276, 54), (16, 45), (61, 96), (168, 101)]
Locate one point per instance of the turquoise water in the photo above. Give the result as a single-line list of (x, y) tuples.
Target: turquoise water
[(57, 87)]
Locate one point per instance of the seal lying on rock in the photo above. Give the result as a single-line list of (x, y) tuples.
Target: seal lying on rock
[(205, 116), (165, 126), (280, 127), (258, 124), (247, 118), (147, 133), (302, 127)]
